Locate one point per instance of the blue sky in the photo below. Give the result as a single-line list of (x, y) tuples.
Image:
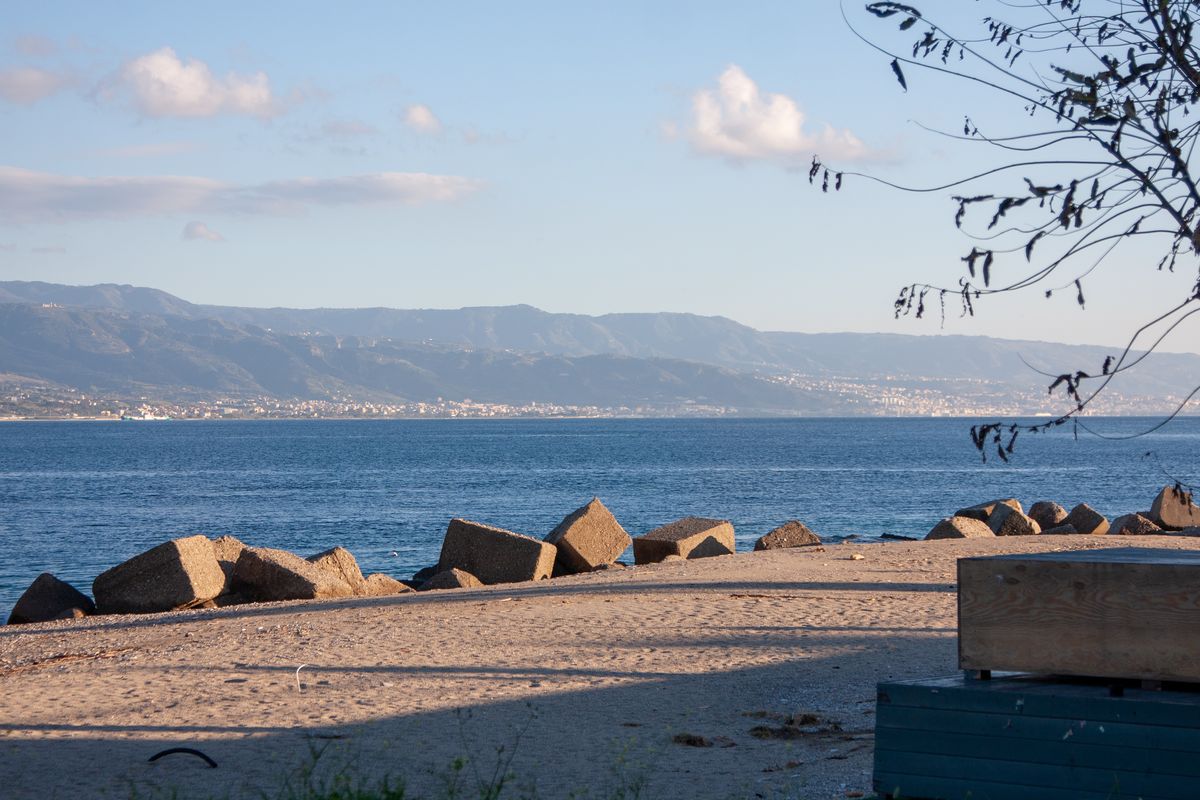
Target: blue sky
[(585, 158)]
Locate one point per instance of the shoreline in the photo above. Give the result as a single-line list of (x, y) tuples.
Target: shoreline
[(602, 671)]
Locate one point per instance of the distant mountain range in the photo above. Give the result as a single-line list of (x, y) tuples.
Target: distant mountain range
[(130, 339)]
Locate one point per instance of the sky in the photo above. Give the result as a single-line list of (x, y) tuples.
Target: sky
[(578, 157)]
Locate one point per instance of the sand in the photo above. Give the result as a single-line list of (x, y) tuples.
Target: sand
[(585, 681)]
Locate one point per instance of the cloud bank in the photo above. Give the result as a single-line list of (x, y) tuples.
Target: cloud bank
[(28, 196), (160, 84), (739, 122)]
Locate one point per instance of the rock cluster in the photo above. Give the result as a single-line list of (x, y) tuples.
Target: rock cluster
[(198, 572), (1173, 512)]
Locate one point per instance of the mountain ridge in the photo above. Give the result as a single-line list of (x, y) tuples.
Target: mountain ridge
[(240, 348)]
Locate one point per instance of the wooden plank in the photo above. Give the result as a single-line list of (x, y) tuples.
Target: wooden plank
[(1044, 698), (917, 722), (1119, 784), (1125, 613), (1067, 753), (904, 786)]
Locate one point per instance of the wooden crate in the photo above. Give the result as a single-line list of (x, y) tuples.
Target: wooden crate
[(1119, 613), (1034, 738)]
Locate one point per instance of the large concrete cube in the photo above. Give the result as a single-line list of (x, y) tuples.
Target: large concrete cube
[(1085, 519), (49, 598), (267, 574), (793, 533), (451, 579), (690, 537), (494, 555), (1175, 510), (587, 538), (228, 548), (180, 573), (341, 562), (1008, 521), (959, 527), (983, 511)]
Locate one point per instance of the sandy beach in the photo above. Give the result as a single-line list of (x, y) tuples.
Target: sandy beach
[(586, 681)]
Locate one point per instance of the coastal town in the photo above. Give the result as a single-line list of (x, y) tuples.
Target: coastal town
[(883, 397)]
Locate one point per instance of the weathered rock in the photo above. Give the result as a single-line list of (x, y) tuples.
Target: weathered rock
[(1007, 521), (340, 562), (1175, 510), (983, 511), (1133, 525), (227, 549), (1048, 514), (1086, 520), (1186, 532), (958, 527), (379, 585), (267, 574), (451, 579), (180, 573), (494, 555), (1061, 530), (49, 598), (587, 538), (231, 599), (790, 534), (606, 567), (690, 537)]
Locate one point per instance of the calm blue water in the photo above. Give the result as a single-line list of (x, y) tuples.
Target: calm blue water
[(76, 498)]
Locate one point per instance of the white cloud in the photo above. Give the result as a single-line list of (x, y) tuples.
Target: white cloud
[(161, 84), (422, 119), (28, 196), (198, 230), (27, 85), (739, 122)]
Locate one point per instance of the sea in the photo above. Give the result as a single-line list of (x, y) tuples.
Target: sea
[(79, 497)]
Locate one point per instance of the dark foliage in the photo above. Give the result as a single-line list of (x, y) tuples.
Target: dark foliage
[(1109, 89)]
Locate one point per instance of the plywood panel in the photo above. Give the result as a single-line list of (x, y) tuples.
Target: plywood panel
[(1126, 613)]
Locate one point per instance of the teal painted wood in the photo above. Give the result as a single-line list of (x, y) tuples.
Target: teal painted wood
[(1046, 729), (1064, 753), (1019, 738), (1045, 697), (923, 787), (1065, 779)]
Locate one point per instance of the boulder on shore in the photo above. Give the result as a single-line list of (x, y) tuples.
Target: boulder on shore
[(177, 574), (690, 537), (340, 562), (959, 527), (1008, 521), (792, 533), (451, 579), (379, 585), (983, 511), (1061, 530), (494, 555), (267, 574), (1175, 510), (1086, 520), (1047, 514), (49, 598), (1133, 525), (588, 537)]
